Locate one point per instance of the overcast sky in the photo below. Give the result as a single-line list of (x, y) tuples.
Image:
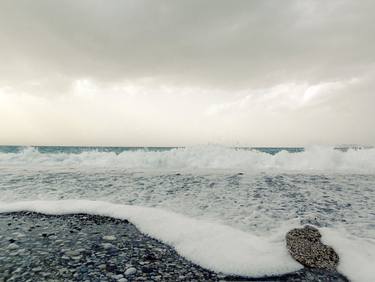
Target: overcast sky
[(167, 73)]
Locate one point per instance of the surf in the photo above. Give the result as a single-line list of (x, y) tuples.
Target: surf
[(315, 158)]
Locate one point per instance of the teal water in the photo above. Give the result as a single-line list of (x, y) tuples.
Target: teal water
[(118, 150)]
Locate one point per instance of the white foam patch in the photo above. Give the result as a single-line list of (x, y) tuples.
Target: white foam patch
[(213, 246), (357, 256)]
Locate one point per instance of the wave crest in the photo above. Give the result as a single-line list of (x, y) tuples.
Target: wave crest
[(210, 157)]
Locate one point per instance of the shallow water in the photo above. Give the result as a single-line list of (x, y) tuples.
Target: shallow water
[(249, 190)]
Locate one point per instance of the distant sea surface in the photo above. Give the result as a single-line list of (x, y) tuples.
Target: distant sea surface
[(118, 150), (254, 192)]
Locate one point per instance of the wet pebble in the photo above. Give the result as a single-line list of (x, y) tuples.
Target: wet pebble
[(109, 238), (13, 246), (130, 271)]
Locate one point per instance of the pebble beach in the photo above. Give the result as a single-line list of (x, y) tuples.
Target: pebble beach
[(81, 247)]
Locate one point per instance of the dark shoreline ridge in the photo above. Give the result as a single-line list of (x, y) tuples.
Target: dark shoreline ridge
[(82, 247)]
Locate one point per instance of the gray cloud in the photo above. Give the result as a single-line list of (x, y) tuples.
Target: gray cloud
[(246, 43), (232, 52)]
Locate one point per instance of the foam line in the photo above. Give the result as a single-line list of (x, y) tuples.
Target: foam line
[(213, 246)]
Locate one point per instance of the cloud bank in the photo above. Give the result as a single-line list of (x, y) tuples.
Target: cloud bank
[(187, 72)]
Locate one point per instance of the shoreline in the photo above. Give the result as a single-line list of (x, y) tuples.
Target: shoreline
[(98, 248)]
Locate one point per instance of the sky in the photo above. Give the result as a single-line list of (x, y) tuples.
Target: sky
[(176, 73)]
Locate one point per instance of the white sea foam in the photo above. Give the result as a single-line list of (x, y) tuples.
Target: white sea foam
[(325, 159), (357, 256), (211, 245)]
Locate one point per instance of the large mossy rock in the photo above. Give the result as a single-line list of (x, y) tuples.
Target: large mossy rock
[(305, 246)]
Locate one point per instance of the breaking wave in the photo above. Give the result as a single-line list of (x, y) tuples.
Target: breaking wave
[(210, 157)]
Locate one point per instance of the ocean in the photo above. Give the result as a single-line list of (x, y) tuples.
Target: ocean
[(226, 209)]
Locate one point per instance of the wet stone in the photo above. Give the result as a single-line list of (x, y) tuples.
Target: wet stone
[(109, 238), (305, 246), (13, 246), (130, 271)]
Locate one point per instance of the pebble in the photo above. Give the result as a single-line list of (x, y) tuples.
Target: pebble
[(107, 246), (130, 271), (109, 238), (13, 246), (77, 257)]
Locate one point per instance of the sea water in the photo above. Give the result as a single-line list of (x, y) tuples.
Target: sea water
[(227, 209)]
